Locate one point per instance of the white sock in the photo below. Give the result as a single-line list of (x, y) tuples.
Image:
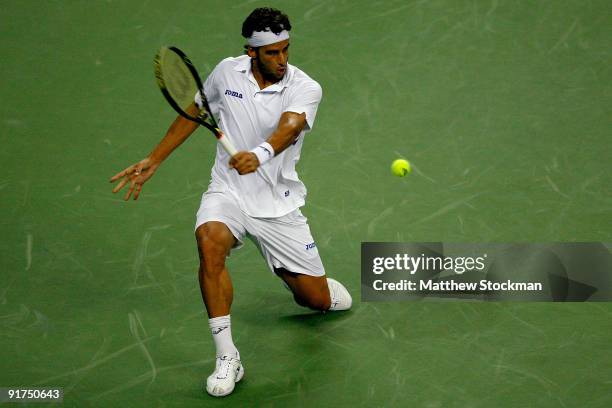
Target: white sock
[(221, 329)]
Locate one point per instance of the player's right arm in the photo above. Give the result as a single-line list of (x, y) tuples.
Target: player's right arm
[(137, 174)]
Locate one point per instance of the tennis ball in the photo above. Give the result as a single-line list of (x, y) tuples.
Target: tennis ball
[(401, 167)]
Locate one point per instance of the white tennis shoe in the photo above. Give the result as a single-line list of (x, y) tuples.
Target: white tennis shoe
[(340, 297), (227, 373)]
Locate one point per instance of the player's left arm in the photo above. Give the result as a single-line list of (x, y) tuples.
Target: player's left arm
[(289, 128)]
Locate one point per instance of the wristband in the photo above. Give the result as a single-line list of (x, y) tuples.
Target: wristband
[(264, 152)]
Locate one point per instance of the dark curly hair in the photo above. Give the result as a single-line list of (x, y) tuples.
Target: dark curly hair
[(265, 17)]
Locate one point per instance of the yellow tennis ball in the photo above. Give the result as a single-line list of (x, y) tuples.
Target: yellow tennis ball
[(401, 167)]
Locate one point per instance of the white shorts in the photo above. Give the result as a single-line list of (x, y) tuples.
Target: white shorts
[(284, 242)]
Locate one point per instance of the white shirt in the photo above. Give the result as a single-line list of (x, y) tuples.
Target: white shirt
[(248, 116)]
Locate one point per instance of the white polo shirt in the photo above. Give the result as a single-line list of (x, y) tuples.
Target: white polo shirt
[(248, 116)]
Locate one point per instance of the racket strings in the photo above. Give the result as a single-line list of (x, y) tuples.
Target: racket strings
[(179, 82)]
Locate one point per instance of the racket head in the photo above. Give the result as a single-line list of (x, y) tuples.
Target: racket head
[(179, 82)]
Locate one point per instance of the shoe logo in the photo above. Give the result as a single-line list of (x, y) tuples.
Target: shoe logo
[(233, 93)]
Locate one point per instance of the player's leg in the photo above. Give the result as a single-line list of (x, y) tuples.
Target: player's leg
[(215, 240), (316, 292), (308, 291), (218, 231), (289, 249)]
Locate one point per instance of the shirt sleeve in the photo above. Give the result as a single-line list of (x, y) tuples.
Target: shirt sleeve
[(305, 99), (210, 88)]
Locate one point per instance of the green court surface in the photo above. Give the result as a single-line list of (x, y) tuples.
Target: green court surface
[(503, 107)]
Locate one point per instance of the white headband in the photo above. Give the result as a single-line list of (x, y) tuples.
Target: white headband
[(261, 38)]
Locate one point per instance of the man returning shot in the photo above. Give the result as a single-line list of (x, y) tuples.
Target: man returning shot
[(265, 106)]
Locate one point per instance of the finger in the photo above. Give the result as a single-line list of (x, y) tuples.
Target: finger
[(119, 175), (120, 185), (137, 192), (242, 161), (133, 169), (249, 167), (246, 166), (245, 169), (129, 192)]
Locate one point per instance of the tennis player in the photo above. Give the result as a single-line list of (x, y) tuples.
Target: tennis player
[(265, 106)]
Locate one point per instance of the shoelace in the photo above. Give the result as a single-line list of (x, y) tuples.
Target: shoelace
[(225, 366), (332, 294)]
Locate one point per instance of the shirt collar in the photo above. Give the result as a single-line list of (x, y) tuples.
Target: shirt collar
[(244, 66)]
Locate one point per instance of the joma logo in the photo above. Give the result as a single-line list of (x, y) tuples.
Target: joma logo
[(233, 93)]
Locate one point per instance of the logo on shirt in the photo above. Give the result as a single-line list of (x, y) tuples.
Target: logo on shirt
[(310, 246), (233, 93)]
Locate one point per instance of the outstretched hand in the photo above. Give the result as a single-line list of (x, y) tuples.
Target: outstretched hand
[(137, 174), (244, 162)]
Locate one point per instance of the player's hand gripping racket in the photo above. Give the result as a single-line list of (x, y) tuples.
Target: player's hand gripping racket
[(179, 82)]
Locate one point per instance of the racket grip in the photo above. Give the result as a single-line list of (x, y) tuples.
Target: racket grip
[(227, 145)]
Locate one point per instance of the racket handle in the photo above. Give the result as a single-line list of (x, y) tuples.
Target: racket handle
[(227, 145)]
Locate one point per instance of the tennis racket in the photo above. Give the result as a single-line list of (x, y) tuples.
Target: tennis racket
[(179, 81)]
